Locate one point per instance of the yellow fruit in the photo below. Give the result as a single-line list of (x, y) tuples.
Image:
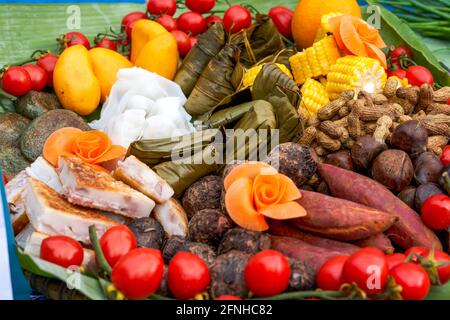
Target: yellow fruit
[(74, 81), (160, 55), (143, 32), (106, 63), (308, 14)]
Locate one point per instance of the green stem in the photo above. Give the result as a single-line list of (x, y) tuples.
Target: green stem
[(328, 295), (104, 265), (446, 182)]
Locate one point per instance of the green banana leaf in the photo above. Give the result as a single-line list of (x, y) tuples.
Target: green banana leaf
[(439, 292), (88, 286), (396, 31)]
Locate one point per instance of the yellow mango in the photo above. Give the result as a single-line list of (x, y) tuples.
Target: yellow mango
[(160, 55), (74, 81), (143, 32), (106, 63)]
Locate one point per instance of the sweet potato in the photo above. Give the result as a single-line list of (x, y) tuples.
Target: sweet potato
[(312, 256), (280, 228), (379, 241), (340, 219), (407, 232)]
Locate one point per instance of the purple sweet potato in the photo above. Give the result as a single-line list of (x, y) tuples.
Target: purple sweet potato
[(340, 219), (380, 241), (407, 232), (312, 256), (281, 228)]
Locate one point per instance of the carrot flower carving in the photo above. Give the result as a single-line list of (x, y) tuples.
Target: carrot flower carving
[(256, 191), (93, 147), (356, 37)]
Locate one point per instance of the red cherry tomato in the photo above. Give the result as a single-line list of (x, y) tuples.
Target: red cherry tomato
[(38, 76), (187, 275), (237, 18), (267, 273), (16, 81), (438, 258), (131, 17), (210, 20), (74, 38), (417, 251), (436, 212), (445, 157), (368, 268), (329, 276), (139, 273), (448, 101), (157, 7), (129, 28), (48, 62), (193, 41), (167, 22), (400, 73), (117, 242), (282, 18), (413, 279), (63, 251), (5, 181), (183, 42), (399, 52), (395, 259), (226, 297), (107, 44), (418, 75), (200, 6), (192, 23)]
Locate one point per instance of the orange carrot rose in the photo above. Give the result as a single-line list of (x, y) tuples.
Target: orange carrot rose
[(255, 190), (93, 147), (356, 37)]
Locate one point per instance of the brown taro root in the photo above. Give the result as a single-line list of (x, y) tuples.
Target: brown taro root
[(203, 194), (428, 168), (149, 232), (424, 191), (294, 161), (244, 240), (312, 256), (342, 159), (302, 276), (411, 137), (379, 241), (227, 274), (393, 169), (208, 226), (407, 232), (176, 244), (365, 149), (407, 196), (282, 228), (340, 219)]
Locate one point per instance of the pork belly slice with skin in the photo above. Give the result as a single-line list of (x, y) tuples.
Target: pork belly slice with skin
[(139, 176), (34, 243), (51, 214), (14, 195), (88, 187), (172, 217)]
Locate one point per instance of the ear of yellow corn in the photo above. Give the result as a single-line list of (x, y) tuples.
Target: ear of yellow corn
[(251, 74), (324, 26), (353, 72), (314, 96), (315, 61)]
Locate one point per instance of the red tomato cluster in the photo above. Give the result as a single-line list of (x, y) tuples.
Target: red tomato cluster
[(370, 269), (402, 65), (20, 80)]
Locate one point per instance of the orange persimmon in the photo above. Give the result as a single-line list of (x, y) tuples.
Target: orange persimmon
[(59, 142), (255, 190)]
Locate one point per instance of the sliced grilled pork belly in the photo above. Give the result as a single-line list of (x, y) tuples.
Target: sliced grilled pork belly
[(51, 214), (14, 192), (139, 176), (33, 248), (88, 187), (41, 170), (172, 217)]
